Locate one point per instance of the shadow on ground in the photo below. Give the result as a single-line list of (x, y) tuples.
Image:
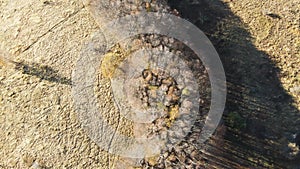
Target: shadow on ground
[(259, 117), (43, 72)]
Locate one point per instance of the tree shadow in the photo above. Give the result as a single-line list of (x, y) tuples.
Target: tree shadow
[(260, 121)]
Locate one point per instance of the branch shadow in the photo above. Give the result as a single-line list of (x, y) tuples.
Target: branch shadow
[(43, 72), (259, 119)]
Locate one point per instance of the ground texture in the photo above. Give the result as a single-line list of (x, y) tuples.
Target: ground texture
[(258, 43)]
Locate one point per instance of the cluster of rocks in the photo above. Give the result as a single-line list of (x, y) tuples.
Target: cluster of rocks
[(159, 88), (158, 83)]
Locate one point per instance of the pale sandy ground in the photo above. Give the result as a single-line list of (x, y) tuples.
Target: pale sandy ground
[(38, 126)]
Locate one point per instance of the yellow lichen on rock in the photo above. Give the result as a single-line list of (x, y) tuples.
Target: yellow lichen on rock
[(153, 160), (173, 114), (112, 60)]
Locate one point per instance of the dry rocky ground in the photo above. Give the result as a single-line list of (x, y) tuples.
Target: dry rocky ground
[(258, 43)]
